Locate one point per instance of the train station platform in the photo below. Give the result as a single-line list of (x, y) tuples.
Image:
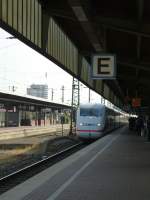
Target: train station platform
[(115, 167), (28, 131)]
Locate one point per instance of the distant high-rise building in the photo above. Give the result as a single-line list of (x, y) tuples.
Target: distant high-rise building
[(38, 90)]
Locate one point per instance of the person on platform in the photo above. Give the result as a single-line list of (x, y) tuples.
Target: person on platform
[(139, 125), (131, 123), (148, 128)]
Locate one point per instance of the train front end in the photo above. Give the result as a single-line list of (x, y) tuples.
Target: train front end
[(90, 121)]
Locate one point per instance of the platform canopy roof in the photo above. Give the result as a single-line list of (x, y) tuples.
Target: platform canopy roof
[(11, 99), (118, 27)]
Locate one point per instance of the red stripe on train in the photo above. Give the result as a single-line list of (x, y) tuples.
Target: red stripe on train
[(89, 130)]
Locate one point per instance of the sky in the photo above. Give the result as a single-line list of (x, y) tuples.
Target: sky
[(21, 66)]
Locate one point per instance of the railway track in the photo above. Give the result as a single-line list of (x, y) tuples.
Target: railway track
[(25, 173)]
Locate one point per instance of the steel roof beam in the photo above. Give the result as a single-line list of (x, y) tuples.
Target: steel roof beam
[(125, 26), (85, 23), (140, 81), (137, 66), (132, 32), (117, 22)]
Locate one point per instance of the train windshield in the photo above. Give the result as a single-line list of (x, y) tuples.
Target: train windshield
[(94, 112)]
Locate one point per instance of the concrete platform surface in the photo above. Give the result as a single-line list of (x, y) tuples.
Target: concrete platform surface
[(7, 135), (115, 167)]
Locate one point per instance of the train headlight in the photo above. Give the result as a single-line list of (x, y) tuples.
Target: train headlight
[(81, 124), (98, 124)]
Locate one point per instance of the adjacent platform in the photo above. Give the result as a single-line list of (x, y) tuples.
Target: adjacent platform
[(116, 167), (14, 133)]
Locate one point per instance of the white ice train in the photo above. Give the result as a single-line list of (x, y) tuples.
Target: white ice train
[(94, 120)]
